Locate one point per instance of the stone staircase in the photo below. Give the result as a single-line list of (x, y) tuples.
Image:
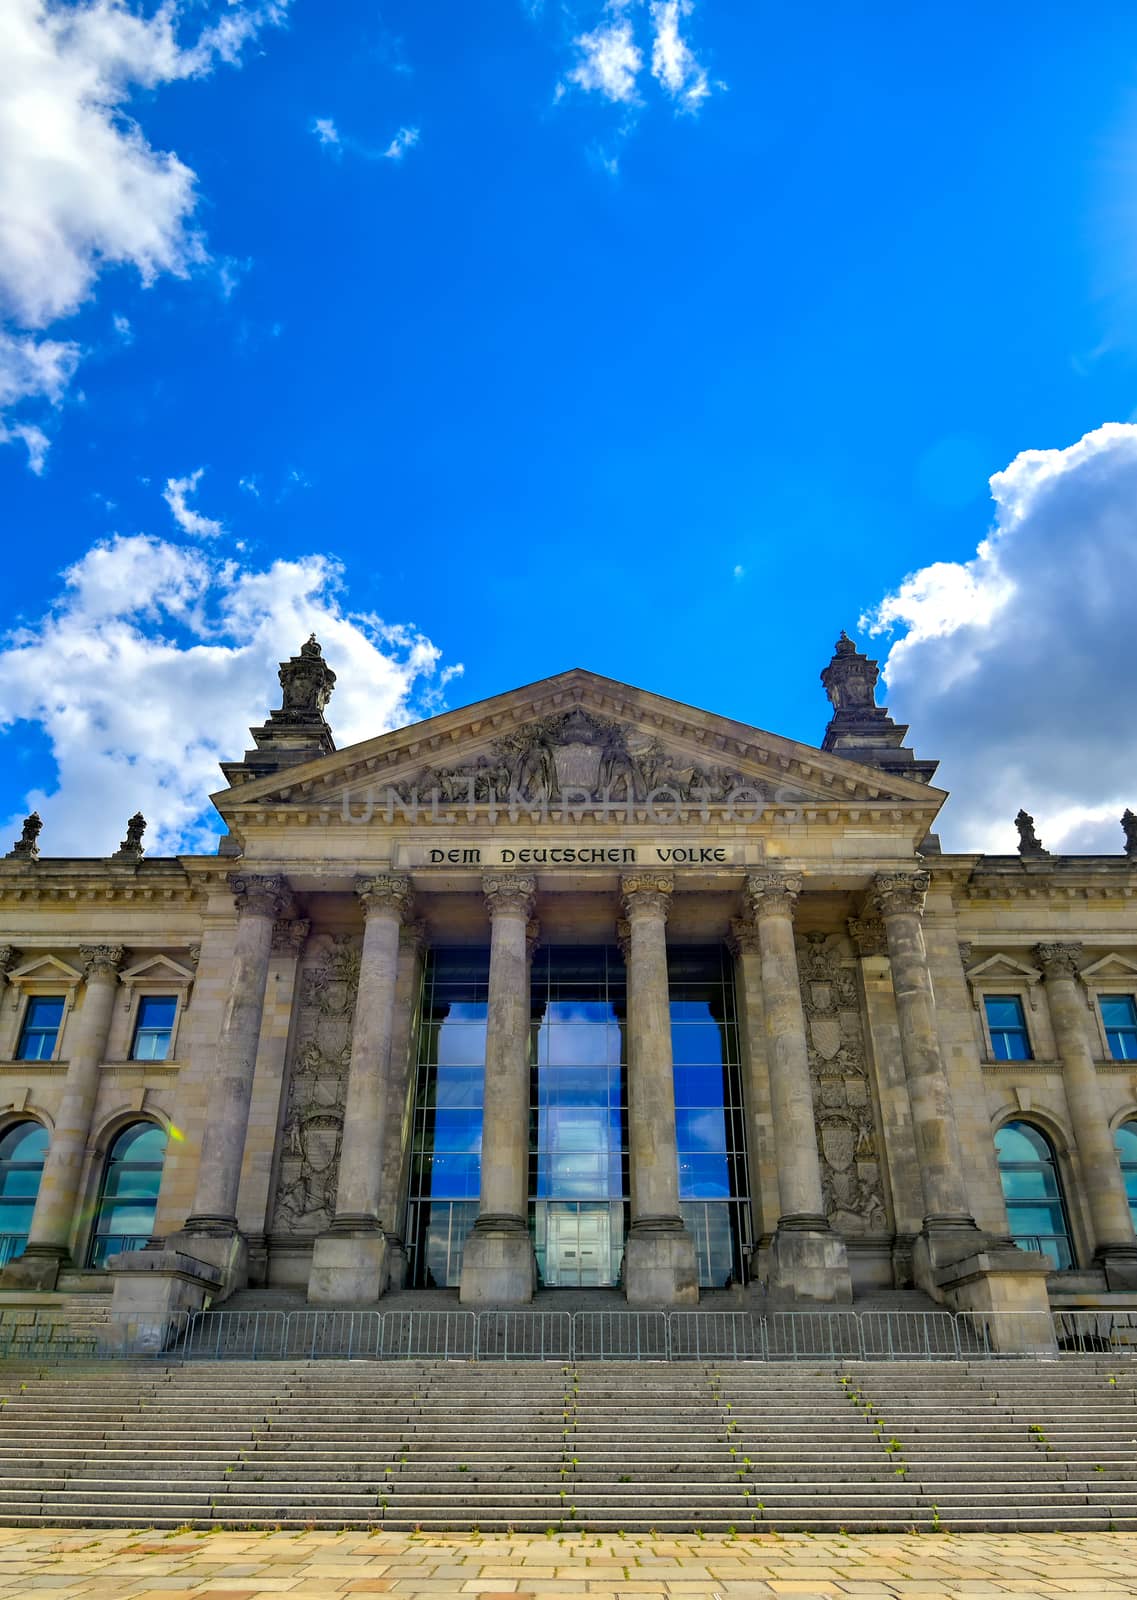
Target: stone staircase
[(592, 1446)]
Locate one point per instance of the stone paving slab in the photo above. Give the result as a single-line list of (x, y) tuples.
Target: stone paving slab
[(96, 1564)]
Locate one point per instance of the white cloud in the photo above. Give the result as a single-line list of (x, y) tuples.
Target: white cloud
[(672, 60), (1015, 668), (176, 495), (81, 188), (250, 485), (154, 661), (325, 130), (739, 574), (404, 140), (610, 61)]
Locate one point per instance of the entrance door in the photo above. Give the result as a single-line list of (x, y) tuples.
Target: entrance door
[(578, 1252)]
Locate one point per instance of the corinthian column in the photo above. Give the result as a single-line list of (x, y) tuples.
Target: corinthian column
[(1115, 1248), (54, 1215), (659, 1257), (498, 1265), (210, 1232), (349, 1262), (808, 1260)]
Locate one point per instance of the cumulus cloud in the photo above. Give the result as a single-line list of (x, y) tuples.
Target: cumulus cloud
[(152, 664), (325, 130), (81, 188), (1015, 668), (673, 62), (610, 60), (404, 140), (176, 495)]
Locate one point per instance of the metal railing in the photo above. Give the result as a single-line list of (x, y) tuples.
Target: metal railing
[(619, 1335)]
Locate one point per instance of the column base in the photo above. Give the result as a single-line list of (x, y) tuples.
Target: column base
[(1119, 1263), (349, 1262), (498, 1264), (660, 1268), (155, 1292), (38, 1268), (218, 1242), (808, 1261)]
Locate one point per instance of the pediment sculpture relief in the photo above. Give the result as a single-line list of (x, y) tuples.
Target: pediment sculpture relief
[(579, 757)]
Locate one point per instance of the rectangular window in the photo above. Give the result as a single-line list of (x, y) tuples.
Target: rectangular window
[(153, 1028), (42, 1021), (1119, 1013), (1007, 1025)]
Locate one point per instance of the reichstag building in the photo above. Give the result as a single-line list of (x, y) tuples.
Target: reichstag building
[(577, 987)]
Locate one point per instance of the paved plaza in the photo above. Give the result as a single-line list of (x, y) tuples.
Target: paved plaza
[(133, 1565)]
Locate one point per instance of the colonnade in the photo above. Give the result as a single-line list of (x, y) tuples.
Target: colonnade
[(808, 1258)]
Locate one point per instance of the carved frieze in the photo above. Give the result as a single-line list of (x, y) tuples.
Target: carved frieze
[(577, 757), (320, 1055), (842, 1097)]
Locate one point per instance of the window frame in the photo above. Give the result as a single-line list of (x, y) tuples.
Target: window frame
[(1127, 1119), (155, 977), (1001, 975), (138, 1009), (992, 1031), (1113, 974), (44, 977), (1031, 1120), (101, 1172)]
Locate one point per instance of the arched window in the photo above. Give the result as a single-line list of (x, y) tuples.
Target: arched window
[(1031, 1188), (22, 1150), (128, 1197), (1126, 1141)]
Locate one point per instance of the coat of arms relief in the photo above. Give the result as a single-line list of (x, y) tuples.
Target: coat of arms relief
[(577, 754), (842, 1095), (308, 1156)]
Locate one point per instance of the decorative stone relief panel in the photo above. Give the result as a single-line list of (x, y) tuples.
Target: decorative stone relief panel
[(842, 1094), (317, 1085)]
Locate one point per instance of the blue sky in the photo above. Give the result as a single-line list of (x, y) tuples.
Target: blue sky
[(471, 322)]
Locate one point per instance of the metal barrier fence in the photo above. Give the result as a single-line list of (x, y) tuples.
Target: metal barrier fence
[(455, 1335)]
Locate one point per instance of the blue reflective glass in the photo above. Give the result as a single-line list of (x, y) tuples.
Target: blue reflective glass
[(157, 1010), (457, 1132), (142, 1141), (702, 1130), (128, 1197), (695, 1010), (1035, 1208), (1018, 1141), (458, 1086), (1029, 1183), (1126, 1141), (459, 1044), (41, 1028), (1004, 1010), (1119, 1013), (694, 1044), (704, 1176), (27, 1141), (699, 1086), (574, 1044)]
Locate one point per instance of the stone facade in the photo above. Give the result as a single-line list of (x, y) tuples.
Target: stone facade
[(575, 814)]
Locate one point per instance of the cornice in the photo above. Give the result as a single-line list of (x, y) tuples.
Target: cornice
[(702, 733), (62, 882)]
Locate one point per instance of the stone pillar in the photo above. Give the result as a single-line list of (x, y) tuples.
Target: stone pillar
[(210, 1233), (349, 1262), (1115, 1248), (883, 1038), (761, 1148), (400, 1097), (808, 1260), (54, 1217), (498, 1264), (659, 1256), (952, 1259)]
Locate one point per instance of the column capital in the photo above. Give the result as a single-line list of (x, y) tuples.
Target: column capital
[(385, 891), (100, 960), (1059, 960), (267, 895), (867, 933), (894, 892), (773, 893), (647, 891), (509, 891), (743, 935), (289, 935)]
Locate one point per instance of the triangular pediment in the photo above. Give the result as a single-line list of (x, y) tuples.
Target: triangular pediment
[(158, 969), (579, 735), (1111, 966), (1004, 968), (46, 969)]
